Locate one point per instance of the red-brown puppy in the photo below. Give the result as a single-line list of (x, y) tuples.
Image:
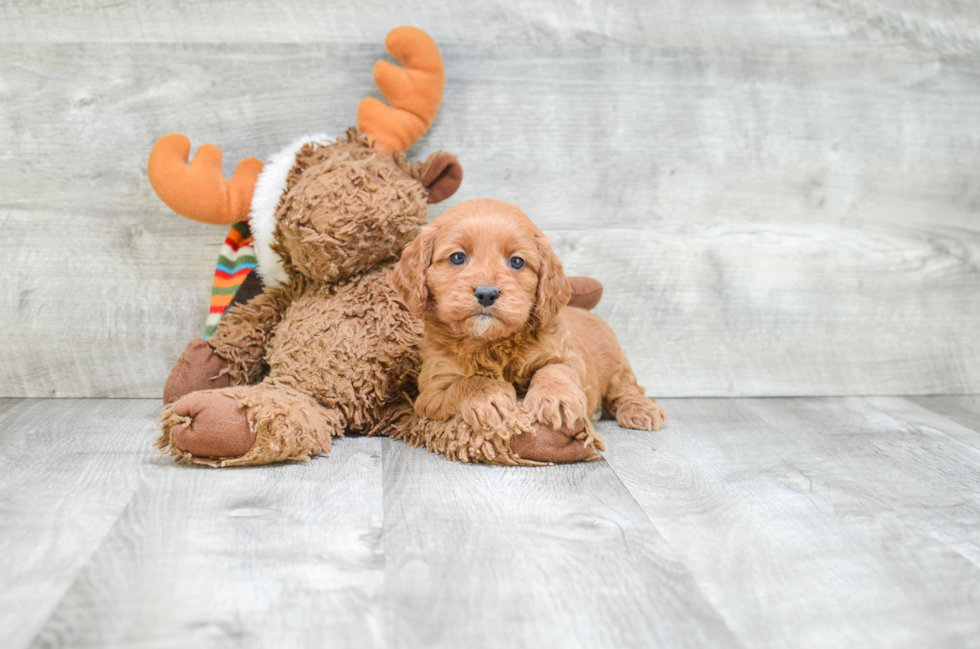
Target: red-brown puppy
[(492, 295)]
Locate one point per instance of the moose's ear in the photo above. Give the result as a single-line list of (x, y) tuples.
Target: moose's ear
[(442, 176)]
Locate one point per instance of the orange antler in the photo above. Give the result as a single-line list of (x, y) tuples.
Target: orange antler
[(199, 190), (414, 91)]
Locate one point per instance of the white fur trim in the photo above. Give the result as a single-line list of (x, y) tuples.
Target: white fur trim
[(269, 189)]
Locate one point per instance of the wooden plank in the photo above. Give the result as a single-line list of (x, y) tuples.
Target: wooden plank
[(287, 555), (962, 409), (7, 404), (554, 557), (749, 24), (785, 309), (765, 224), (297, 22), (815, 522), (67, 470), (950, 510), (111, 321)]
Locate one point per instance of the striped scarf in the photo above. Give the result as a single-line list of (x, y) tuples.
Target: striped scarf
[(236, 261)]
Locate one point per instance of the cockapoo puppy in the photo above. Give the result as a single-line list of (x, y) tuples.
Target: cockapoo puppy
[(493, 297)]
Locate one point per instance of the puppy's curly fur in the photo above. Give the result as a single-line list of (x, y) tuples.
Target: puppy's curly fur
[(522, 350)]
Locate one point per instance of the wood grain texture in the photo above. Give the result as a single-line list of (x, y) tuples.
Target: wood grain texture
[(779, 199), (287, 555), (477, 556), (817, 522), (749, 523), (7, 404), (951, 26), (962, 409), (67, 470)]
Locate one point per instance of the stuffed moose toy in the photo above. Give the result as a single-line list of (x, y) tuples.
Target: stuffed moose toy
[(327, 346)]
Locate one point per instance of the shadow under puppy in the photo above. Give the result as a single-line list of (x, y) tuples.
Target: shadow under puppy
[(498, 334)]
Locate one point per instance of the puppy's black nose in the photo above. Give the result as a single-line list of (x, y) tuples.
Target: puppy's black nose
[(486, 295)]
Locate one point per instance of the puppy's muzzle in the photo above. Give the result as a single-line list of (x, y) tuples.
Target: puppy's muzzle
[(486, 295)]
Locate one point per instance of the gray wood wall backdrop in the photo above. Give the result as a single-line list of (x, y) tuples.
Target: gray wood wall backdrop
[(780, 197)]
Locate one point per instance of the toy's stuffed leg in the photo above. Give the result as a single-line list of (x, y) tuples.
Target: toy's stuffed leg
[(520, 440), (543, 443), (244, 425), (198, 368)]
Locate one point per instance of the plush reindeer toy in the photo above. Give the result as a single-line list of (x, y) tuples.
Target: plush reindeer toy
[(327, 346)]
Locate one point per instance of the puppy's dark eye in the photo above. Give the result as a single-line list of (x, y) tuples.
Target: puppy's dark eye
[(457, 259), (516, 263)]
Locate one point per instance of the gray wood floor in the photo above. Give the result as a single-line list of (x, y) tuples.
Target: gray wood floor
[(746, 523)]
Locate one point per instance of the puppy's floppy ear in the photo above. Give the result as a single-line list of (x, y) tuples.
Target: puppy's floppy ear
[(410, 271), (441, 175), (554, 290)]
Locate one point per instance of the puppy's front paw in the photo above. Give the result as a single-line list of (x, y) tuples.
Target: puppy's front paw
[(487, 410), (561, 406), (640, 413)]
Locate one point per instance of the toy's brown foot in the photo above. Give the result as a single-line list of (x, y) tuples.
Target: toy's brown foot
[(518, 441), (214, 425), (586, 292), (247, 425), (198, 368), (544, 443)]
